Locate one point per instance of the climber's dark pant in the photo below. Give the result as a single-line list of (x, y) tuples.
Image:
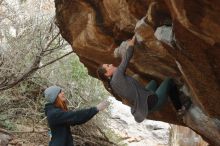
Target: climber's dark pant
[(166, 88)]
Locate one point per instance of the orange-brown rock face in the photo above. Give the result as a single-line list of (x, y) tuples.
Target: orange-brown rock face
[(95, 27), (180, 136)]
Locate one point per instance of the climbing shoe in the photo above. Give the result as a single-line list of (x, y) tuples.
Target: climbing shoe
[(186, 105)]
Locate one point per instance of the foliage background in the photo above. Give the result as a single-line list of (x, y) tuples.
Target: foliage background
[(31, 52)]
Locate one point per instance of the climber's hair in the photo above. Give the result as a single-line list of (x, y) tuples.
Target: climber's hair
[(101, 74), (105, 80)]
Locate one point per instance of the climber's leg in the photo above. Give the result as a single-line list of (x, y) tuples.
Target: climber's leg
[(167, 87), (174, 96), (186, 105), (162, 93), (152, 100), (152, 85)]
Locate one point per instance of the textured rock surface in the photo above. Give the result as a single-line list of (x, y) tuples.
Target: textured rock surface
[(147, 133), (95, 27), (180, 137)]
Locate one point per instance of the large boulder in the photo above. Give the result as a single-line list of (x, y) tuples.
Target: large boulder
[(95, 27)]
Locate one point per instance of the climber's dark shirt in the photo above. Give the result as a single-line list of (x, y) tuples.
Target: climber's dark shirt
[(127, 87)]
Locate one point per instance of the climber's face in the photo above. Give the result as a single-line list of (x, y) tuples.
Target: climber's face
[(110, 68)]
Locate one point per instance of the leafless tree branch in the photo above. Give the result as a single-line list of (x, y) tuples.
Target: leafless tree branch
[(39, 43), (48, 44), (5, 131), (27, 73), (35, 66), (55, 60)]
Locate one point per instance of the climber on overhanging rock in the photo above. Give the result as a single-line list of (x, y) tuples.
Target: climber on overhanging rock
[(141, 99)]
